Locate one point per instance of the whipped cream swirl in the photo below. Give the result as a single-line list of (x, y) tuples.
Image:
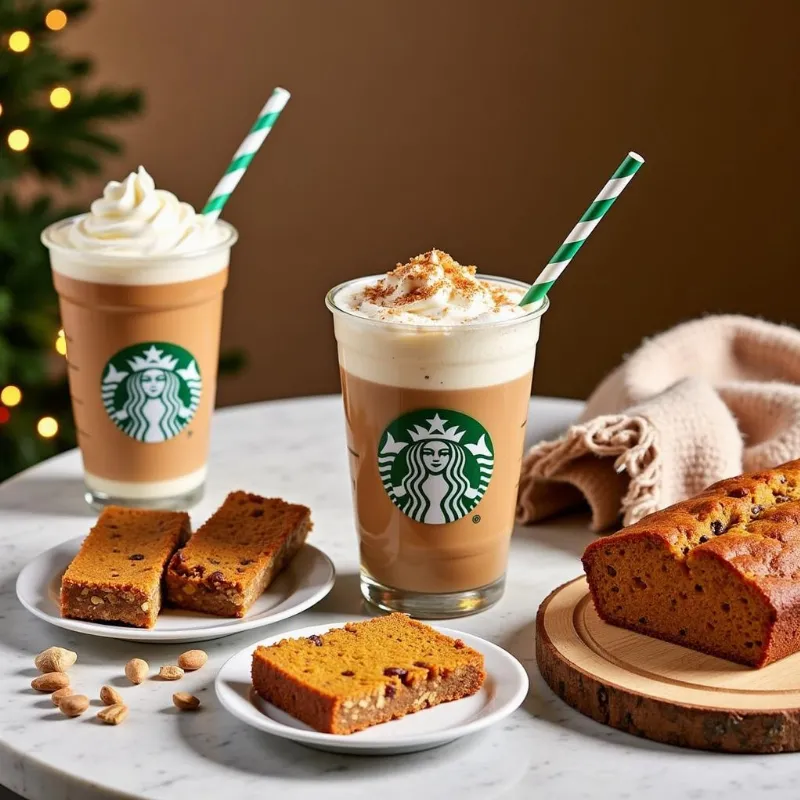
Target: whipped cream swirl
[(133, 218), (433, 289)]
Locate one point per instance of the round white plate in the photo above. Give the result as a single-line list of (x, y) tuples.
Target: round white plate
[(307, 579), (502, 693)]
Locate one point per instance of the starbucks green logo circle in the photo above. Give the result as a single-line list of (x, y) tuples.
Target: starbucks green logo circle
[(435, 464), (151, 390)]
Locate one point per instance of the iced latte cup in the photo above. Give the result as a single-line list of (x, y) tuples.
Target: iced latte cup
[(140, 280), (436, 366)]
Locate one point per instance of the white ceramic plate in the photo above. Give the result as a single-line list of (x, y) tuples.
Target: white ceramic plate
[(307, 579), (503, 691)]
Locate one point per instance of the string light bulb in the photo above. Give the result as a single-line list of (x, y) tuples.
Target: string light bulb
[(55, 19), (19, 41), (18, 139), (47, 427), (61, 343), (11, 396), (60, 97)]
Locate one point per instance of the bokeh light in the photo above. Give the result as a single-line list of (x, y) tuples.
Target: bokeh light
[(55, 19), (61, 344), (1, 108), (18, 139), (11, 396), (60, 97), (47, 427), (5, 415), (19, 41)]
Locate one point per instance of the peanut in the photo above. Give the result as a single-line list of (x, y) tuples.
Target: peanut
[(59, 693), (73, 705), (110, 696), (113, 715), (136, 670), (192, 660), (185, 701), (50, 682), (169, 672), (55, 659)]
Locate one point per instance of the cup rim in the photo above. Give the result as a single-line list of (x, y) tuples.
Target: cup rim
[(535, 313), (47, 239)]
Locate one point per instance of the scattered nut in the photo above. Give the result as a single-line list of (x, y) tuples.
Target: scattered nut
[(73, 705), (169, 672), (185, 701), (55, 659), (59, 694), (113, 715), (50, 682), (96, 601), (145, 606), (189, 589), (192, 660), (109, 696), (136, 670)]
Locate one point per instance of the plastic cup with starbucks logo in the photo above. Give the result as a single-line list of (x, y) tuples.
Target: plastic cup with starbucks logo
[(140, 281), (436, 366)]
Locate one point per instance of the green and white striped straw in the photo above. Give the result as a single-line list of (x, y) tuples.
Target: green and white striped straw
[(244, 155), (580, 233)]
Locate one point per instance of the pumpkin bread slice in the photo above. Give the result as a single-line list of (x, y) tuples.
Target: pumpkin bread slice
[(366, 673), (229, 562), (116, 575)]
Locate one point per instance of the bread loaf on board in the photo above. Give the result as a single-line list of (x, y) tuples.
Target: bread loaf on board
[(719, 572)]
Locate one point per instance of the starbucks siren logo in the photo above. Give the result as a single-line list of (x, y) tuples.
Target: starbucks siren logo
[(151, 390), (435, 464)]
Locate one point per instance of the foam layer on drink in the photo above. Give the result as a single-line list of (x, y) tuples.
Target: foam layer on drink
[(136, 234), (402, 350)]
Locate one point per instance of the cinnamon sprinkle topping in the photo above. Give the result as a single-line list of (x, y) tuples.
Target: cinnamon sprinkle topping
[(433, 288), (428, 274)]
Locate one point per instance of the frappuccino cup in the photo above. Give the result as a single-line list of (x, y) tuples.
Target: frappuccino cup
[(436, 365), (140, 281)]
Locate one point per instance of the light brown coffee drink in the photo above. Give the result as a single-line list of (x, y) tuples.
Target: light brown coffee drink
[(102, 320), (436, 368), (140, 281), (459, 556)]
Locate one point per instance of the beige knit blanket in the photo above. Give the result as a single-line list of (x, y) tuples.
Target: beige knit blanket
[(704, 401)]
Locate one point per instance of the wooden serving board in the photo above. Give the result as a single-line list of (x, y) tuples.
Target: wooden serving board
[(660, 690)]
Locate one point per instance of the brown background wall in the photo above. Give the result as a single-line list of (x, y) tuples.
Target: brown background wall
[(483, 127)]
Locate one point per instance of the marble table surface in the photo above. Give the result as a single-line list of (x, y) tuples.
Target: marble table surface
[(296, 449)]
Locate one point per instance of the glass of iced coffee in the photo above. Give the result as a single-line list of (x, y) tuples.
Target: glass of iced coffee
[(436, 366), (140, 280)]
